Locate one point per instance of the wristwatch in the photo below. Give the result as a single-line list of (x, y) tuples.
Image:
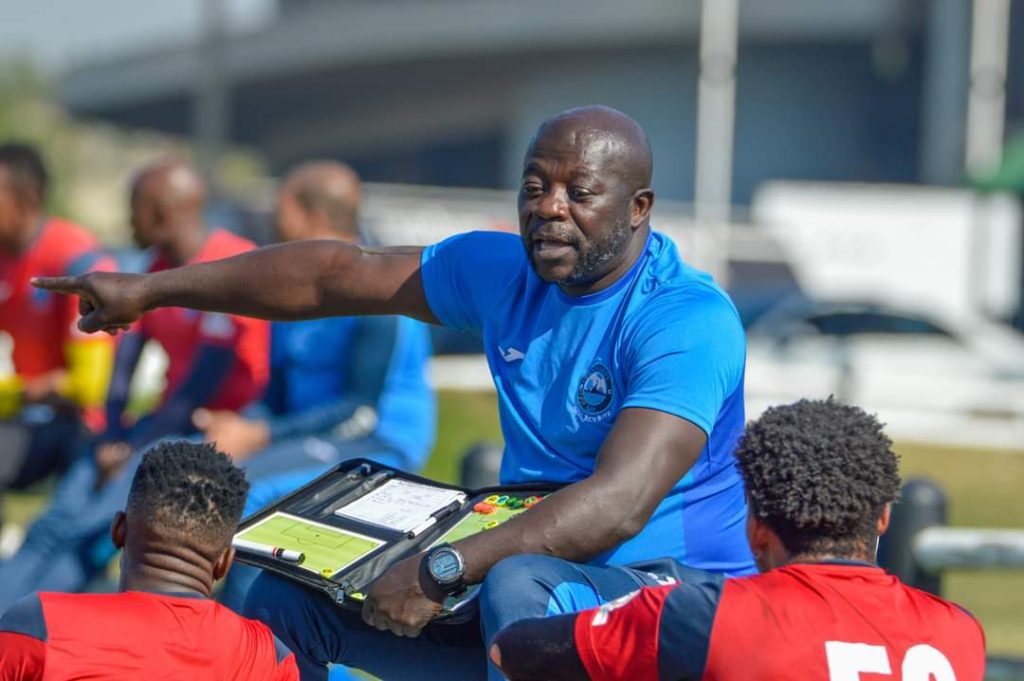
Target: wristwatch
[(447, 568)]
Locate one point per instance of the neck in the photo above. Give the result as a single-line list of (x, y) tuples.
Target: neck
[(825, 556), (167, 570), (186, 246), (618, 270)]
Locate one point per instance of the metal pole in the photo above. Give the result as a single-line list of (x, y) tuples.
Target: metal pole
[(986, 106), (716, 110), (210, 120)]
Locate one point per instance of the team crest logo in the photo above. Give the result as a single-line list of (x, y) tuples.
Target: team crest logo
[(594, 394)]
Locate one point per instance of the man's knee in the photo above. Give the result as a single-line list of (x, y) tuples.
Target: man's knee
[(533, 586), (522, 586)]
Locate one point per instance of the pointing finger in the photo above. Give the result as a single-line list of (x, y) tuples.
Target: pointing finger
[(59, 284)]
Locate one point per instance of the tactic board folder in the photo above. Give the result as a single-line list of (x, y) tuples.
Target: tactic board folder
[(341, 531)]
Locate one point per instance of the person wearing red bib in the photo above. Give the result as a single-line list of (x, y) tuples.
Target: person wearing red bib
[(55, 394), (216, 361), (820, 478), (185, 503)]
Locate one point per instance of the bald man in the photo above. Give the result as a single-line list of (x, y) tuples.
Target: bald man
[(215, 360), (619, 372), (340, 387)]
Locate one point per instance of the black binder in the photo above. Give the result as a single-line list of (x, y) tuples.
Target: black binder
[(342, 555)]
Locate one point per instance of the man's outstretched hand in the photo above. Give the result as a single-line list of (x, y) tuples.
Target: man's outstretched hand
[(107, 301)]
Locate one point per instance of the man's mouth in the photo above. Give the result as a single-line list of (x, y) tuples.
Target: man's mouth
[(550, 249)]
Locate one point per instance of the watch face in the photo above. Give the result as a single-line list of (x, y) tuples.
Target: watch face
[(445, 567)]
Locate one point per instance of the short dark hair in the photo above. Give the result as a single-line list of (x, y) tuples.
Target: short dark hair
[(819, 473), (26, 170), (189, 488)]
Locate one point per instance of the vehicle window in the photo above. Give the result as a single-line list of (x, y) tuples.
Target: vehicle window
[(853, 323)]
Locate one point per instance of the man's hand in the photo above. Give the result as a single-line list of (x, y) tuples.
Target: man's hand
[(402, 600), (110, 458), (106, 301), (236, 436)]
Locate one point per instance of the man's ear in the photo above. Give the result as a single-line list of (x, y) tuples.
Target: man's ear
[(883, 520), (223, 563), (759, 536), (119, 529), (642, 202)]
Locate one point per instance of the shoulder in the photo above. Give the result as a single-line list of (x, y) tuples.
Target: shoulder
[(67, 242), (685, 314), (481, 251), (671, 290), (70, 234), (958, 618), (26, 617), (269, 649), (224, 244)]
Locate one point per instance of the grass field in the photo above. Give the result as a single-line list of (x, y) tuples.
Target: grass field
[(984, 487)]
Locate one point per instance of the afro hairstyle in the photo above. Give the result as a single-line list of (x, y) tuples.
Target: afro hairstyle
[(819, 473)]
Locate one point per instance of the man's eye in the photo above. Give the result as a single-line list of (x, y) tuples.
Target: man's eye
[(580, 193), (532, 189)]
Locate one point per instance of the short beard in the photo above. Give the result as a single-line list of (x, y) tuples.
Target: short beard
[(592, 262)]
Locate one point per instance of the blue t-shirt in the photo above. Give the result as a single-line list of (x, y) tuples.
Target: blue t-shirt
[(662, 337), (352, 361)]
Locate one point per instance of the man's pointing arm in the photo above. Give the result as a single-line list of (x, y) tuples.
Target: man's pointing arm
[(293, 281)]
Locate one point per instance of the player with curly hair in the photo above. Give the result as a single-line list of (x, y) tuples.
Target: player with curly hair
[(185, 503), (820, 478)]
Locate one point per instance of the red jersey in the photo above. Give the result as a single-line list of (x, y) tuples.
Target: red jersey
[(41, 322), (136, 635), (828, 621), (182, 332)]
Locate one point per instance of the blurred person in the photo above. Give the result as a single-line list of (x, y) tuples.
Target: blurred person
[(618, 368), (182, 511), (60, 374), (214, 360), (340, 387), (821, 478)]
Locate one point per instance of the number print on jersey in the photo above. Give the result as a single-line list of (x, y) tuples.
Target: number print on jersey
[(847, 661), (601, 616)]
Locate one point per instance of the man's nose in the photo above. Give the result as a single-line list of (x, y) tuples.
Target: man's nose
[(553, 205)]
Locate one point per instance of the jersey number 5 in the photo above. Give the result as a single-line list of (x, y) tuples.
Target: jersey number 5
[(847, 661)]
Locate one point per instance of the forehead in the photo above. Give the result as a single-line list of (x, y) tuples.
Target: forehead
[(577, 149), (145, 187)]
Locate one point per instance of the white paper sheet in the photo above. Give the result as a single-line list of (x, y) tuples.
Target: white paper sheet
[(400, 504)]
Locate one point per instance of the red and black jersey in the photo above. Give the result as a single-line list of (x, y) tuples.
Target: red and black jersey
[(182, 332), (41, 322), (835, 621), (136, 635)]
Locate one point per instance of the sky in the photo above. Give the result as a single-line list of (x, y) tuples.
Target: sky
[(59, 34)]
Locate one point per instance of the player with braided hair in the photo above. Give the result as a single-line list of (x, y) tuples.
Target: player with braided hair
[(185, 503), (820, 477)]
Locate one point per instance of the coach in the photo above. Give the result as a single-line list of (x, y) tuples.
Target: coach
[(619, 371)]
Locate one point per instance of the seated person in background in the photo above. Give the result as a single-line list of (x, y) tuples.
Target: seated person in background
[(215, 360), (60, 374), (184, 506), (820, 477), (340, 387)]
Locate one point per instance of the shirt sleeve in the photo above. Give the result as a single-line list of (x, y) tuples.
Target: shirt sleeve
[(463, 275), (658, 632), (685, 355), (23, 641)]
